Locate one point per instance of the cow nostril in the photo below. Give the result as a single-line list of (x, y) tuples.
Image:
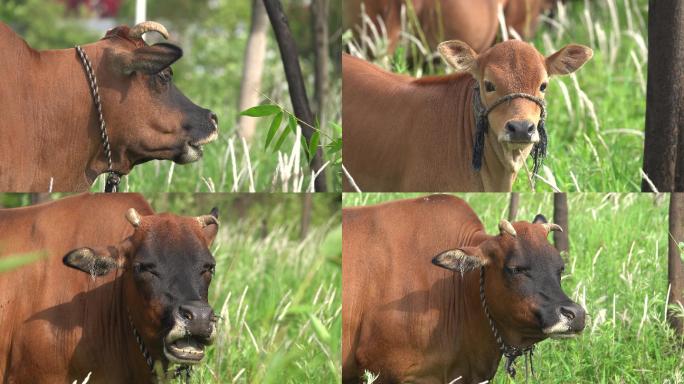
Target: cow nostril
[(510, 127), (185, 313), (530, 129), (213, 117), (568, 313)]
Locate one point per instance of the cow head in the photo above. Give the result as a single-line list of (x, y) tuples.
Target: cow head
[(167, 269), (512, 67), (522, 282), (147, 116)]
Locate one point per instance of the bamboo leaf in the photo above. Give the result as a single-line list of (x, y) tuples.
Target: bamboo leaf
[(261, 110)]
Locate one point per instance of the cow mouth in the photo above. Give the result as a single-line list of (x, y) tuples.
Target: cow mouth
[(187, 350), (193, 150)]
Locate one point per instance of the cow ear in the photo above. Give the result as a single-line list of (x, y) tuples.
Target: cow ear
[(98, 261), (460, 260), (152, 59), (459, 55), (539, 219), (210, 224), (569, 59)]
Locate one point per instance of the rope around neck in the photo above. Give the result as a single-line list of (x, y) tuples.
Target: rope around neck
[(511, 353), (113, 177), (482, 126), (185, 370)]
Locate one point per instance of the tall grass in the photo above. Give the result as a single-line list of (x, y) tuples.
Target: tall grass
[(596, 116), (279, 300), (617, 270)]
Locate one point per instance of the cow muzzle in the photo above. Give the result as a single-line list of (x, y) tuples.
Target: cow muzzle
[(194, 328), (521, 132), (193, 149), (570, 323)]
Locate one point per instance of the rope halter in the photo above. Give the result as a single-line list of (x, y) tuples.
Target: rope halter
[(511, 353), (482, 126), (113, 177)]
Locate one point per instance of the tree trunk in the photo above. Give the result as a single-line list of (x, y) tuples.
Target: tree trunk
[(664, 143), (306, 215), (513, 206), (295, 82), (319, 16), (39, 197), (675, 271), (252, 68), (560, 217)]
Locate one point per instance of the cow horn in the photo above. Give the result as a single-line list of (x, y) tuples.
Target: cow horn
[(552, 227), (147, 26), (205, 220), (133, 217), (507, 227)]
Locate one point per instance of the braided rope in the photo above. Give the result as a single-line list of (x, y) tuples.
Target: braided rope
[(181, 370), (511, 353), (113, 178)]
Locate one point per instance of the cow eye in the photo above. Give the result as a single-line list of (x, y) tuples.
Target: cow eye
[(489, 86), (165, 75), (543, 87), (517, 270), (147, 268)]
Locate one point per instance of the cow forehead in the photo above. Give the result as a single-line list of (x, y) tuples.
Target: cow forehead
[(531, 242), (514, 63), (168, 235)]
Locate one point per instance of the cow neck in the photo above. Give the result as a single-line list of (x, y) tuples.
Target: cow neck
[(509, 352), (181, 371), (113, 177)]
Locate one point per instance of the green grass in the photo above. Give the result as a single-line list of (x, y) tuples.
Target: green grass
[(596, 132), (617, 269), (280, 302)]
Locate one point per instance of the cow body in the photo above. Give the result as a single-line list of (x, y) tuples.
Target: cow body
[(409, 321), (403, 318), (474, 22), (51, 135), (61, 324), (403, 134)]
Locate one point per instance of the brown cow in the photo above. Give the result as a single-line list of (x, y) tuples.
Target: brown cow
[(473, 22), (49, 126), (143, 274), (407, 134), (410, 321)]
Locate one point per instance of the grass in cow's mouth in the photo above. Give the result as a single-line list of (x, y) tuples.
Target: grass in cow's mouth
[(616, 269), (596, 117)]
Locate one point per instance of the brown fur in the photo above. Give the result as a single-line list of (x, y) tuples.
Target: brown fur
[(410, 321), (406, 134), (474, 22), (59, 323)]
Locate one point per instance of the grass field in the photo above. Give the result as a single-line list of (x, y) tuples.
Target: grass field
[(596, 116), (617, 269)]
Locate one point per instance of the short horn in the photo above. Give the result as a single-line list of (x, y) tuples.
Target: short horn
[(506, 227), (552, 227), (147, 26), (205, 220), (133, 217)]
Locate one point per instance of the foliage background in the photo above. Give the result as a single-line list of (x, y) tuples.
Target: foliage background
[(213, 34), (616, 269), (277, 291)]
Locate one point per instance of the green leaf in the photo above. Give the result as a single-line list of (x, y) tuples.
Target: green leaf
[(313, 144), (281, 139), (16, 261), (320, 329), (292, 124), (261, 110), (275, 124), (305, 147)]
